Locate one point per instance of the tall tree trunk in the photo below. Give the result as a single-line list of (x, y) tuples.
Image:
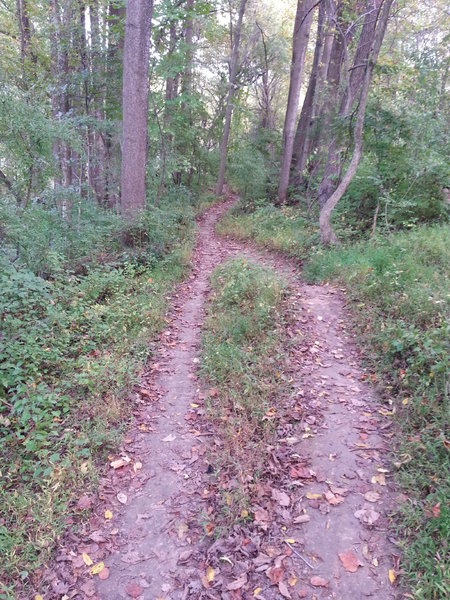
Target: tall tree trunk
[(333, 165), (230, 96), (302, 26), (113, 107), (187, 87), (326, 233), (300, 149), (135, 105)]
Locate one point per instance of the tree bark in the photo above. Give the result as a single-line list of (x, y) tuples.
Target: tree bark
[(327, 235), (355, 78), (302, 26), (229, 102), (135, 105), (300, 148)]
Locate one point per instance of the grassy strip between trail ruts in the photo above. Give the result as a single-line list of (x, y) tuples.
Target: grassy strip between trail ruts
[(242, 359), (72, 348), (398, 293)]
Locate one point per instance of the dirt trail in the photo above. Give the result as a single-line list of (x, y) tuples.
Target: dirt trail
[(154, 546)]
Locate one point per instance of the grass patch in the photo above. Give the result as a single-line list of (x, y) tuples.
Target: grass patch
[(241, 357), (283, 229), (72, 346), (399, 295)]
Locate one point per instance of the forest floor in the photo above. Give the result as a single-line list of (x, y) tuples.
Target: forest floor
[(318, 526)]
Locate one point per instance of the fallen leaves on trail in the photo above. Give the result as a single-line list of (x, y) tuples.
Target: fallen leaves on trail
[(333, 499), (108, 515), (98, 568), (302, 519), (133, 590), (317, 581), (209, 574), (104, 574), (87, 559), (313, 496), (122, 497), (301, 473), (283, 589), (372, 496), (120, 462), (368, 516), (83, 503), (281, 497), (392, 576), (350, 561), (380, 479), (238, 583)]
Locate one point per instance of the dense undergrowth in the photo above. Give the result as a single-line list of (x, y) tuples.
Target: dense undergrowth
[(80, 302), (241, 357), (397, 287)]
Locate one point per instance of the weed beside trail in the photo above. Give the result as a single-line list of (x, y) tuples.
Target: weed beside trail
[(398, 290), (280, 229), (241, 361)]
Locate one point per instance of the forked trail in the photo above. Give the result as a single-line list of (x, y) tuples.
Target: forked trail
[(320, 532)]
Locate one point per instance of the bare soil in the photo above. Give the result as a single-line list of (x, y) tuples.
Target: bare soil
[(320, 527)]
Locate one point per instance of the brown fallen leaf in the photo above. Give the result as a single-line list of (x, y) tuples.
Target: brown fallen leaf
[(104, 574), (283, 589), (372, 496), (302, 519), (368, 516), (350, 561), (275, 574), (333, 499), (133, 590), (300, 473), (317, 581), (83, 503), (281, 497), (237, 583)]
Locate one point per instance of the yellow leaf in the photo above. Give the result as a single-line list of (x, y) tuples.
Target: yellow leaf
[(108, 515), (244, 514), (96, 569), (312, 496), (405, 401), (289, 541), (292, 580), (38, 597), (257, 591), (210, 574), (392, 576), (193, 405), (87, 559)]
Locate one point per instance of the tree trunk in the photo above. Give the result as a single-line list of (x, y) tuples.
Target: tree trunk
[(229, 101), (334, 155), (299, 154), (302, 26), (135, 105), (327, 235), (113, 107)]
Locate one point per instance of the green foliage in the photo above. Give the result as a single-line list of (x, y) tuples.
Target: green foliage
[(241, 356), (398, 288), (72, 346), (281, 229)]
